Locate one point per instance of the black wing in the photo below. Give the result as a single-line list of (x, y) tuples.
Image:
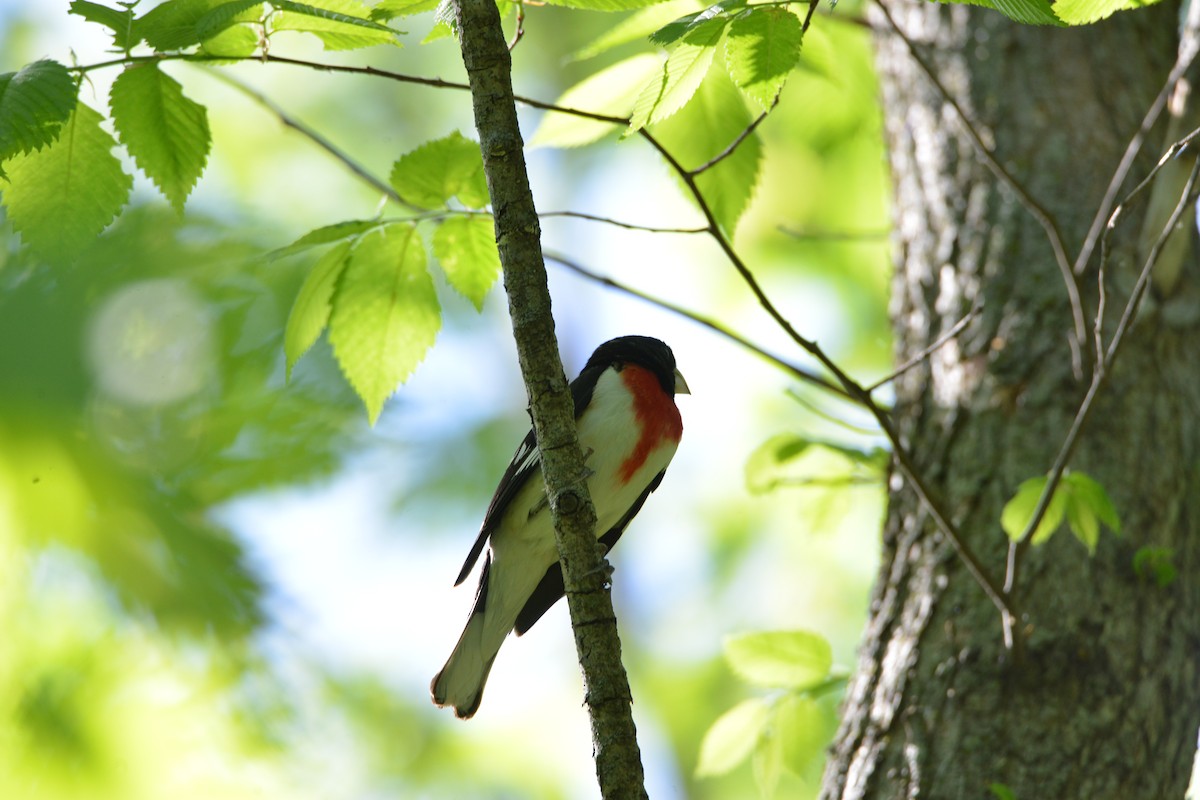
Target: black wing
[(550, 590), (525, 464)]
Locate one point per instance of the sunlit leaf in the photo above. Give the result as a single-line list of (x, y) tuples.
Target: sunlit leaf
[(1092, 495), (466, 249), (34, 104), (780, 659), (166, 133), (385, 313), (1029, 12), (62, 196), (762, 47), (1018, 512), (768, 764), (310, 311), (439, 170), (118, 21), (1081, 12), (325, 235), (800, 726), (611, 92), (390, 9), (603, 5), (637, 25), (339, 24), (229, 13), (677, 29), (177, 24), (680, 76), (732, 737)]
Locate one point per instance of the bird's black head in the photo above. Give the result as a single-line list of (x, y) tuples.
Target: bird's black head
[(644, 351)]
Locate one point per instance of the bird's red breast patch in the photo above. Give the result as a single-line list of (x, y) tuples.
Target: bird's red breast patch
[(656, 415)]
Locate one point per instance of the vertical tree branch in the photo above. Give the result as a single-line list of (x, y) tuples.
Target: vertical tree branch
[(585, 574)]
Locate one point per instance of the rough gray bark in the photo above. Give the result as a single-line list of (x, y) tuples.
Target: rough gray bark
[(585, 573), (1105, 702)]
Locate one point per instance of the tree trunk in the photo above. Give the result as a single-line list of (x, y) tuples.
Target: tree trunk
[(1104, 702)]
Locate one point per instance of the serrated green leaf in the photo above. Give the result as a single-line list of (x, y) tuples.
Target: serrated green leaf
[(610, 91), (1083, 12), (680, 76), (324, 235), (118, 21), (236, 41), (34, 104), (709, 124), (62, 196), (762, 48), (1018, 512), (466, 249), (166, 133), (638, 25), (731, 738), (390, 9), (767, 763), (674, 31), (385, 313), (1029, 12), (603, 5), (174, 25), (1092, 494), (780, 659), (339, 24), (227, 15), (313, 304), (438, 170)]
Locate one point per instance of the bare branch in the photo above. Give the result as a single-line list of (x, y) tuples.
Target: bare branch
[(627, 225), (928, 351)]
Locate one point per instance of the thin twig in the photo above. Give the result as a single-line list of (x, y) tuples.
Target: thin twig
[(929, 350), (706, 322), (741, 137), (1035, 209), (627, 225), (1017, 550)]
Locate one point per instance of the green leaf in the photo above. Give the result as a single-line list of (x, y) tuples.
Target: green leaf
[(1083, 522), (62, 196), (385, 313), (611, 91), (175, 25), (34, 104), (780, 659), (1001, 791), (680, 76), (390, 9), (768, 763), (762, 47), (801, 729), (1155, 563), (637, 25), (324, 235), (236, 41), (310, 312), (118, 21), (1082, 12), (436, 171), (466, 249), (716, 117), (1018, 512), (1092, 495), (166, 133), (226, 15), (775, 462), (731, 738), (339, 24), (1029, 12), (674, 31), (603, 5)]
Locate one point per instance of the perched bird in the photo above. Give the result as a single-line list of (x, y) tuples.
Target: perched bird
[(629, 429)]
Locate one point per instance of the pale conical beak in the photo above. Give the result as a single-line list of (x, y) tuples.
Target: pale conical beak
[(681, 386)]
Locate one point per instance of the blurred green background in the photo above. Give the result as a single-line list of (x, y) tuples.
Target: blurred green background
[(214, 582)]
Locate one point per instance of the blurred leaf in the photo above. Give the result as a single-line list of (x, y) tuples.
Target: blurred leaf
[(1018, 512), (34, 104), (676, 30), (636, 26), (762, 47), (800, 726), (680, 76), (780, 659), (1029, 12), (62, 196), (389, 9), (118, 21), (385, 313), (225, 15), (1082, 12), (768, 763), (166, 133), (732, 737), (325, 235), (310, 312), (1088, 493), (176, 24), (1001, 791), (1156, 563), (611, 92), (339, 24), (703, 129), (466, 249), (603, 5), (439, 170), (779, 461)]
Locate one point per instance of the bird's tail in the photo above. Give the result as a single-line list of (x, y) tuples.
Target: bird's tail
[(460, 682)]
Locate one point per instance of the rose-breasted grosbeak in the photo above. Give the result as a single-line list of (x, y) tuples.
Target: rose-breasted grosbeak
[(629, 429)]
